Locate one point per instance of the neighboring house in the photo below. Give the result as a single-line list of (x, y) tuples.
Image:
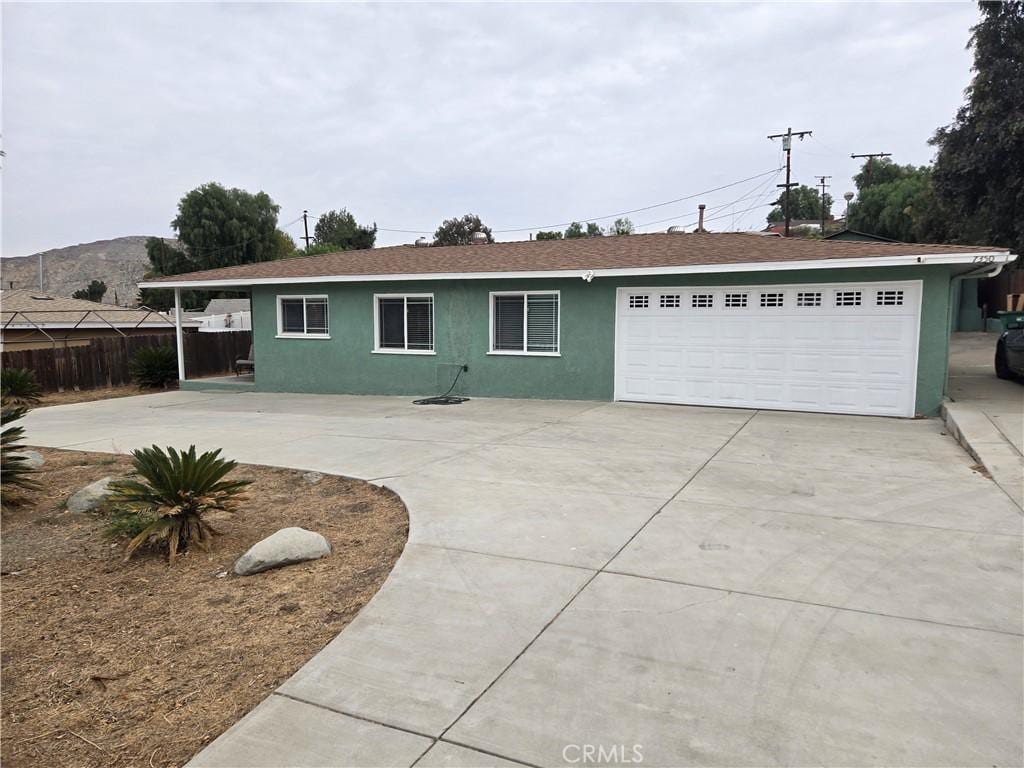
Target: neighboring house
[(33, 320), (779, 227), (223, 315), (701, 319), (853, 234)]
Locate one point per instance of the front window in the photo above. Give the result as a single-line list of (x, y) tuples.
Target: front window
[(302, 316), (404, 323), (525, 323)]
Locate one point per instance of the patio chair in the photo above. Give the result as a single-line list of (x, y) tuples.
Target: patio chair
[(246, 364)]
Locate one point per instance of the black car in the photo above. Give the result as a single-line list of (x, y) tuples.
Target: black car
[(1010, 350)]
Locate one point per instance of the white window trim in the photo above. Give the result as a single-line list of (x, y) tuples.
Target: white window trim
[(526, 309), (377, 349), (280, 316)]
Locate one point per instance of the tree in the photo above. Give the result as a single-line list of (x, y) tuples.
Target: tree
[(216, 227), (805, 203), (979, 166), (549, 235), (898, 202), (284, 245), (621, 227), (92, 292), (576, 229), (340, 230), (459, 231)]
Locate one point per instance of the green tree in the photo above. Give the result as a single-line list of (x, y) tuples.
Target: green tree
[(459, 231), (284, 245), (92, 292), (979, 166), (898, 202), (805, 203), (576, 229), (621, 226), (340, 230), (215, 227), (549, 235)]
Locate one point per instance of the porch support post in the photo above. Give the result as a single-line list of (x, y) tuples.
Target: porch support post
[(177, 334)]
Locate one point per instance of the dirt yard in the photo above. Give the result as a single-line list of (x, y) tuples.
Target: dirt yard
[(88, 395), (112, 663)]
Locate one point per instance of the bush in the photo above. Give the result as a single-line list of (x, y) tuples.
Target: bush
[(16, 476), (176, 490), (154, 367), (18, 387)]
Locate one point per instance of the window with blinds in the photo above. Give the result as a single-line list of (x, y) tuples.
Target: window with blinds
[(525, 323), (405, 323), (302, 316)]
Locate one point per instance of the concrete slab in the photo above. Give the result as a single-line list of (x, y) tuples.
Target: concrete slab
[(440, 630), (972, 381), (899, 570), (692, 676), (866, 455), (514, 503), (959, 503), (599, 468), (557, 525), (361, 457), (445, 755), (283, 732)]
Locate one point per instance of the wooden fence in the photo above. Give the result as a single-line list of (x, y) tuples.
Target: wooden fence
[(104, 362)]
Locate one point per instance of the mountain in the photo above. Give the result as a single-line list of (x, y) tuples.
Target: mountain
[(120, 263)]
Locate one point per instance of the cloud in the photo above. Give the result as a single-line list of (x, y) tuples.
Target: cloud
[(408, 114)]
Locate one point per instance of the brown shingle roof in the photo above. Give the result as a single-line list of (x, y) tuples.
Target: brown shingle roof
[(632, 251), (59, 310)]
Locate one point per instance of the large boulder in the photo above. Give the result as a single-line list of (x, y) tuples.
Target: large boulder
[(91, 497), (33, 459), (287, 546)]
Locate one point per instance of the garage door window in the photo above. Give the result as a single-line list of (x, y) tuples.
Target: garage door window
[(525, 323), (808, 299), (736, 300), (847, 298)]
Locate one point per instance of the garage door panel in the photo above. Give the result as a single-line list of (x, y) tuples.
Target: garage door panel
[(845, 348)]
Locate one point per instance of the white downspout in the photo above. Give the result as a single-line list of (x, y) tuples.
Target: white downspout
[(177, 334)]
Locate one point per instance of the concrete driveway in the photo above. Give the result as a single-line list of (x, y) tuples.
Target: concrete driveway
[(601, 583)]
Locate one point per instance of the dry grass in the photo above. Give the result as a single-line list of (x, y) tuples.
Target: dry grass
[(88, 395), (107, 663)]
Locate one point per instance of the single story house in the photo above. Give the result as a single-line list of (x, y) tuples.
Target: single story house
[(34, 320), (713, 319)]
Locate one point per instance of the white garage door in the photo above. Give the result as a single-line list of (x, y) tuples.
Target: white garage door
[(838, 348)]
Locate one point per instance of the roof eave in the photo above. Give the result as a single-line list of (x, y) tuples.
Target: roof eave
[(903, 260)]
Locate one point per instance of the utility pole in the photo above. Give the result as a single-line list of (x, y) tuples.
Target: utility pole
[(787, 145), (871, 158), (823, 185), (305, 226)]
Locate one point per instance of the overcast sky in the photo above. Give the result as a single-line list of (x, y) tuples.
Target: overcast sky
[(529, 115)]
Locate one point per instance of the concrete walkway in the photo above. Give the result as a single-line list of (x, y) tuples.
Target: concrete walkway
[(986, 413), (592, 583)]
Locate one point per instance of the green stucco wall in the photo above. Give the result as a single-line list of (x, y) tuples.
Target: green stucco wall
[(584, 371)]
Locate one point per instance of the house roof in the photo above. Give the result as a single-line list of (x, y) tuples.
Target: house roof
[(226, 306), (21, 308), (853, 234), (611, 255)]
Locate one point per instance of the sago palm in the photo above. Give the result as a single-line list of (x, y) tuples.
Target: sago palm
[(18, 387), (15, 472), (176, 490)]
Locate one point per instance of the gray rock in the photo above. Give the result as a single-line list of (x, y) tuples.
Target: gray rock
[(33, 459), (312, 477), (287, 546), (90, 497)]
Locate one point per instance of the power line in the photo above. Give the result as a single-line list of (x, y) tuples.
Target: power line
[(605, 216), (756, 191)]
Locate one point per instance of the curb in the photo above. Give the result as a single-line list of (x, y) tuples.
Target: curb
[(980, 438)]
